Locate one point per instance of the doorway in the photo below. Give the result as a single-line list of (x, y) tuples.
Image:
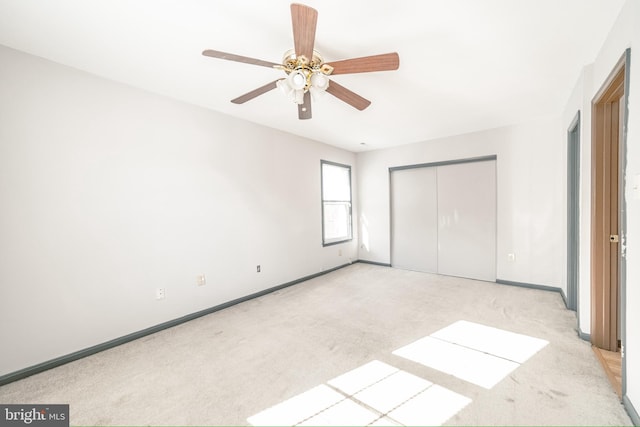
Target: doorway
[(607, 213)]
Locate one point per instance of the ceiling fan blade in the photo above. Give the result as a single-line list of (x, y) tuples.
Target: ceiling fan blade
[(303, 20), (304, 109), (256, 92), (238, 58), (366, 64), (348, 96)]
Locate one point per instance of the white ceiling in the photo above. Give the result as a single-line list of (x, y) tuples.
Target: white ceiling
[(465, 65)]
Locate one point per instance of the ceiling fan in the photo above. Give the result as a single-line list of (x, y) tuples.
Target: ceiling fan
[(307, 73)]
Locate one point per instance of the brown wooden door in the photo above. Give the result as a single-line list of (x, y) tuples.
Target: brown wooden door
[(607, 121)]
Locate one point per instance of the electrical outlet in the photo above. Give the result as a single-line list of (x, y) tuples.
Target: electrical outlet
[(258, 269), (160, 293), (201, 280)]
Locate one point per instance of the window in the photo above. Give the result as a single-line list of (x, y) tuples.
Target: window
[(336, 202)]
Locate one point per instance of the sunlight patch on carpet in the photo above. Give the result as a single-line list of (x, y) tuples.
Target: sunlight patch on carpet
[(475, 353), (298, 408), (344, 413), (362, 377), (433, 407), (373, 394), (392, 391), (498, 342)]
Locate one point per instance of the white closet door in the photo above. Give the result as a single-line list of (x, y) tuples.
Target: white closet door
[(414, 219), (467, 220)]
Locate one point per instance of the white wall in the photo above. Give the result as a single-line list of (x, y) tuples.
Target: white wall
[(108, 192), (530, 186), (624, 34)]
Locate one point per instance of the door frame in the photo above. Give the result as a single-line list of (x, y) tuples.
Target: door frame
[(573, 214), (615, 88)]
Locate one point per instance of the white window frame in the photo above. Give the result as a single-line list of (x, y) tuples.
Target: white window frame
[(325, 202)]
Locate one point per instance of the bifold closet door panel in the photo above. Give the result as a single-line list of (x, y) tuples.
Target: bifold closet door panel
[(467, 220), (414, 219)]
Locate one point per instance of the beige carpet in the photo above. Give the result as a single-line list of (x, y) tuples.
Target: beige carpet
[(300, 346)]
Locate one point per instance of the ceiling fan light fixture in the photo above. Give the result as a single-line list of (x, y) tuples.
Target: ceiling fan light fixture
[(304, 75), (319, 81), (293, 95), (297, 80), (284, 87)]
